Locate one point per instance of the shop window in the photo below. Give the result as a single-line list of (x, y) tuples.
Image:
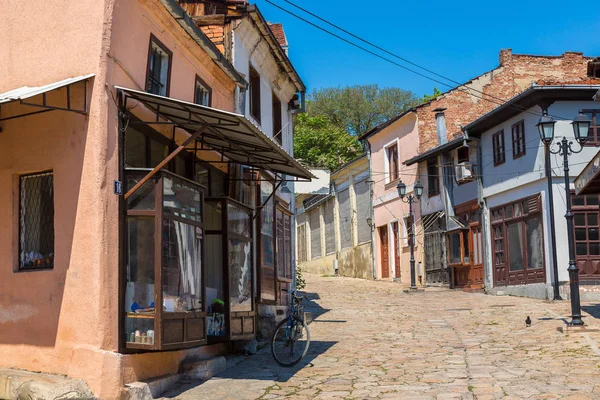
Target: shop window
[(586, 227), (517, 237), (518, 139), (433, 178), (594, 134), (498, 148), (455, 247), (202, 93), (277, 125), (392, 162), (267, 241), (255, 94), (36, 221), (159, 66), (164, 290)]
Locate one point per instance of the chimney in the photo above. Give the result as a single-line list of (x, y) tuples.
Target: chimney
[(505, 56)]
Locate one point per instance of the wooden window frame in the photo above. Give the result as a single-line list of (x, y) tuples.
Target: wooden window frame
[(498, 148), (518, 139), (594, 134), (585, 209), (393, 163), (154, 39), (433, 180), (254, 93), (200, 81), (502, 220), (277, 119)]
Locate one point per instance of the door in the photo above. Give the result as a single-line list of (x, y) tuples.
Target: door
[(396, 249), (385, 263), (476, 255)]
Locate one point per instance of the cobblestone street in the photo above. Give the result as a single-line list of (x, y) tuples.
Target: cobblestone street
[(371, 340)]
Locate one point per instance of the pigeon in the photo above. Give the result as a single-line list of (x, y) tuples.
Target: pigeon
[(528, 321)]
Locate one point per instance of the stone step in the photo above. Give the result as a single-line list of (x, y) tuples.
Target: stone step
[(203, 369), (17, 384)]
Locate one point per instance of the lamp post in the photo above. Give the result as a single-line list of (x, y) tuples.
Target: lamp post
[(410, 200), (581, 126)]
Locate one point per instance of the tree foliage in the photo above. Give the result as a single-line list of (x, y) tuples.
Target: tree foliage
[(429, 97), (358, 109), (320, 143), (327, 135)]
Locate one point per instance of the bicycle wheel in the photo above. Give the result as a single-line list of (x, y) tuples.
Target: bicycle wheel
[(290, 342)]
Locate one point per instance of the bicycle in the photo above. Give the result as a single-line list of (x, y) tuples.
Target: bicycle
[(291, 337)]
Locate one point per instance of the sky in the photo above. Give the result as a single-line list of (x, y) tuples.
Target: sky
[(459, 40)]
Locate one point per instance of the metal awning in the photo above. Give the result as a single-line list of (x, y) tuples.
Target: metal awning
[(588, 182), (25, 96), (230, 134)]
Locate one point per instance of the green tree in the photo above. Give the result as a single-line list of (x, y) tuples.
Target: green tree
[(429, 97), (318, 142), (358, 109)]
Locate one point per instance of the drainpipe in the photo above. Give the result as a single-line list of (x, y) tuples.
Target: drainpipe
[(368, 146)]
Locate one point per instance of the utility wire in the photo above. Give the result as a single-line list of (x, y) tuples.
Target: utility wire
[(519, 108)]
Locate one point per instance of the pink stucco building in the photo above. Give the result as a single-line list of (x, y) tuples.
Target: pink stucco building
[(82, 267), (390, 144)]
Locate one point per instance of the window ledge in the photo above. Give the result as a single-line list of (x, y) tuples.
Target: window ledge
[(392, 184)]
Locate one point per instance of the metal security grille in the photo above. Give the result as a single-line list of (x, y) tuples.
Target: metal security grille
[(329, 227), (435, 250), (36, 221), (363, 210), (315, 233), (345, 218)]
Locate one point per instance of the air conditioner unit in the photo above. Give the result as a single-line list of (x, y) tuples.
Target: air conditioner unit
[(464, 172)]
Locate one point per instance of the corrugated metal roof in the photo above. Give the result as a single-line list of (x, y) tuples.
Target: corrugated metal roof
[(26, 92)]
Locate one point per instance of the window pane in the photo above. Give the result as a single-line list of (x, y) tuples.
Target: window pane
[(181, 267), (579, 219), (594, 249), (535, 256), (238, 220), (240, 280), (515, 246), (518, 210), (592, 199), (158, 152), (592, 219), (267, 244), (455, 256), (181, 200), (509, 211), (36, 221), (580, 234), (144, 197), (139, 292), (581, 249), (135, 148), (592, 234)]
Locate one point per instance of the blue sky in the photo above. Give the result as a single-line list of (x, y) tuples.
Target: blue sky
[(459, 41)]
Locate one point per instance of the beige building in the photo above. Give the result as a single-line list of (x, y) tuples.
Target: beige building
[(333, 224)]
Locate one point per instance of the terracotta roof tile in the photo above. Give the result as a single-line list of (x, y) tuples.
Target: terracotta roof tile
[(277, 30)]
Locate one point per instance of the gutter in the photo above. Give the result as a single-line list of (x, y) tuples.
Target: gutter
[(372, 211), (186, 22)]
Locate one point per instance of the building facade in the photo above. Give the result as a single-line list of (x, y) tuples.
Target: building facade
[(131, 189), (334, 224)]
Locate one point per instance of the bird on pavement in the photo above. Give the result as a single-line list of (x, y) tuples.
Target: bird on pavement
[(528, 321)]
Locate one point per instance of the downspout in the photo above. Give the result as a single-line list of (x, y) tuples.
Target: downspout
[(372, 212)]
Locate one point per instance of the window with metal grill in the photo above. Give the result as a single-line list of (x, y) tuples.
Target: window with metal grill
[(158, 74), (518, 139), (345, 218), (255, 94), (329, 220), (36, 221), (433, 178), (301, 237), (202, 93), (498, 148)]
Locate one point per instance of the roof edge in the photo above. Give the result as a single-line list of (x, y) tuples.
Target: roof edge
[(385, 124)]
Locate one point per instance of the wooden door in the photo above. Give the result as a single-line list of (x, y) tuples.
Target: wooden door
[(396, 238), (476, 255), (385, 263)]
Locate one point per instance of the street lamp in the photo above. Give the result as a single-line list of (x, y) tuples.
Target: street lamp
[(581, 127), (410, 200)]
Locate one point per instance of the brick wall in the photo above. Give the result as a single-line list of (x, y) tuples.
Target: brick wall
[(515, 73)]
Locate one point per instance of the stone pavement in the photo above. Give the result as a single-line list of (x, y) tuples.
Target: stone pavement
[(371, 340)]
